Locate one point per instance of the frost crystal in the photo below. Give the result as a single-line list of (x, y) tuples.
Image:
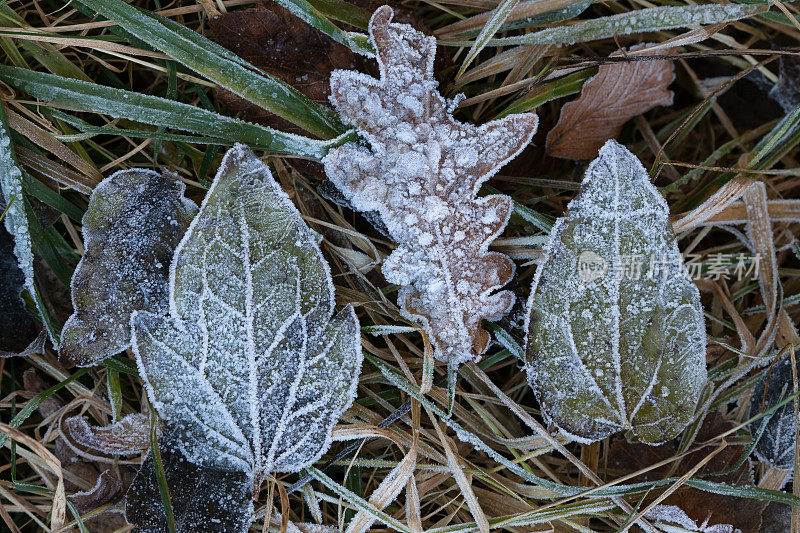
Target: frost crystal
[(249, 368), (776, 445), (135, 220), (421, 172), (128, 436), (616, 337)]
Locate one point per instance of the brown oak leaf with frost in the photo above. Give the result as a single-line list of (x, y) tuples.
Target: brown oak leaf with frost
[(421, 170), (617, 93)]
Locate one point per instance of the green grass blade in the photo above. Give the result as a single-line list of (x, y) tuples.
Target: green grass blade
[(631, 22), (19, 223), (160, 112), (221, 66), (357, 42), (498, 17)]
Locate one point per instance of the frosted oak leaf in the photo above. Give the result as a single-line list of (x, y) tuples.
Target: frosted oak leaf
[(625, 348), (134, 221), (421, 172), (250, 368)]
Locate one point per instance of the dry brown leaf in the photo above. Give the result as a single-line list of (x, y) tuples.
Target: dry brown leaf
[(129, 436), (617, 93), (742, 513), (421, 172), (107, 487)]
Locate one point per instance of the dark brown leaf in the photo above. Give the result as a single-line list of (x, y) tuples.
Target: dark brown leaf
[(742, 513)]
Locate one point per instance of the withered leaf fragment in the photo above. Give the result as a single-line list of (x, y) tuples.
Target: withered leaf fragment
[(250, 367), (134, 222), (787, 91), (616, 336), (617, 93), (776, 445), (127, 436), (421, 172), (203, 499)]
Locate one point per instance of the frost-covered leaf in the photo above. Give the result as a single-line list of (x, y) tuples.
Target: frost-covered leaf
[(128, 436), (203, 499), (249, 367), (666, 515), (421, 171), (607, 349), (106, 488), (617, 93), (18, 329), (776, 445), (787, 91), (134, 222), (16, 221)]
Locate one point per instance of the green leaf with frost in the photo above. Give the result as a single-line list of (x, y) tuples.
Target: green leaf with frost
[(135, 220), (249, 367), (616, 335)]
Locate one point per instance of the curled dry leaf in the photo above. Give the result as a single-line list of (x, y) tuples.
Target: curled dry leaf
[(203, 499), (107, 487), (617, 93), (616, 336), (250, 368), (421, 172), (135, 220), (129, 436), (776, 445)]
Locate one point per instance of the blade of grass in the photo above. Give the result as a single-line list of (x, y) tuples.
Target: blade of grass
[(357, 42), (221, 66), (162, 112), (631, 22), (496, 19)]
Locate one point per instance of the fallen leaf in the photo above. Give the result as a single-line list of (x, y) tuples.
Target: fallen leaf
[(617, 93), (675, 516), (250, 346), (700, 506), (106, 489), (275, 40), (616, 334), (421, 172), (134, 221), (776, 445), (203, 499), (128, 436)]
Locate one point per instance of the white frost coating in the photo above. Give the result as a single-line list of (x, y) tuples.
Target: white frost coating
[(638, 21), (16, 220), (612, 346), (776, 445), (249, 367), (673, 519), (421, 172)]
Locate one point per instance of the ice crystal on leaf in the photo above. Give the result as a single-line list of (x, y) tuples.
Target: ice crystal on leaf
[(249, 367), (128, 436), (421, 172), (616, 336), (134, 221), (776, 445)]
